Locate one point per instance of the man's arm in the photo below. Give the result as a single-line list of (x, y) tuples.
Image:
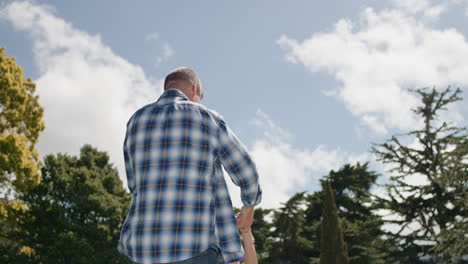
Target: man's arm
[(239, 165), (129, 169)]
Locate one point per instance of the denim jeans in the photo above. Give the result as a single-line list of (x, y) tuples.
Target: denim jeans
[(209, 256)]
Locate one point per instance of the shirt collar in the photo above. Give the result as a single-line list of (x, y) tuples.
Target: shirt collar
[(172, 95)]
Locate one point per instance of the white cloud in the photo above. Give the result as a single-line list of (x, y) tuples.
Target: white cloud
[(167, 50), (462, 5), (413, 6), (380, 56), (285, 169), (466, 7), (425, 7), (88, 92)]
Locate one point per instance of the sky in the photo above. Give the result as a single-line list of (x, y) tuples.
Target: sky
[(308, 86)]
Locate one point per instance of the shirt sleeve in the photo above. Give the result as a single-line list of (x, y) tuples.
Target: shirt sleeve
[(239, 165), (128, 163)]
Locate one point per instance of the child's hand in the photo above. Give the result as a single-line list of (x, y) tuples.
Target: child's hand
[(244, 219)]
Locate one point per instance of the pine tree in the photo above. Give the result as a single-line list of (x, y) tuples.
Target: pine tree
[(436, 206), (289, 242), (351, 186), (333, 249), (262, 234)]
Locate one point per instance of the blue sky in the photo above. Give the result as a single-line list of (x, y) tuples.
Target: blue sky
[(307, 85)]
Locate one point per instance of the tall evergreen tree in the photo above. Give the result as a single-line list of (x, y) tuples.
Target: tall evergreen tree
[(433, 211), (351, 186), (261, 229), (294, 234), (289, 243), (333, 249), (75, 214)]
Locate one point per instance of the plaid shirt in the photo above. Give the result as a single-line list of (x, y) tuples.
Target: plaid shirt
[(180, 206)]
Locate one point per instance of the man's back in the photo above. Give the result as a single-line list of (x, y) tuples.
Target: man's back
[(180, 206)]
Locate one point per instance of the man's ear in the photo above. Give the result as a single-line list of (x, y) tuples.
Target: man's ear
[(198, 90), (193, 90)]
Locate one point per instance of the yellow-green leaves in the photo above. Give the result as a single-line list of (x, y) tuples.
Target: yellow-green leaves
[(20, 125)]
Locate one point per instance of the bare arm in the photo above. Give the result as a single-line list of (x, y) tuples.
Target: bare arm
[(249, 248), (244, 221)]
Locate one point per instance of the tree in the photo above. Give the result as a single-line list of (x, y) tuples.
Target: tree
[(435, 206), (261, 230), (20, 125), (294, 234), (75, 214), (351, 186), (289, 243), (333, 249)]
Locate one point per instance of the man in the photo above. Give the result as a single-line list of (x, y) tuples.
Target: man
[(180, 210)]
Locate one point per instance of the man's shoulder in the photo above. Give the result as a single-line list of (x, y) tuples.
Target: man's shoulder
[(140, 111), (211, 112), (205, 110)]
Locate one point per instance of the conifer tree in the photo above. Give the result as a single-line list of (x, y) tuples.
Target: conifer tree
[(289, 243), (432, 210), (333, 248), (261, 230), (351, 185)]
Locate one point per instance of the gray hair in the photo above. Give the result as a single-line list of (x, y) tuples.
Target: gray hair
[(182, 74)]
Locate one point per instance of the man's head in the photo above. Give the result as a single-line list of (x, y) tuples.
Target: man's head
[(185, 80)]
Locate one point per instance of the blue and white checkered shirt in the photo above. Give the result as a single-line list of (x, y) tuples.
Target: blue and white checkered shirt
[(180, 206)]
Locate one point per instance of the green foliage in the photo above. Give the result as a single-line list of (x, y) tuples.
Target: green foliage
[(362, 228), (436, 207), (261, 230), (75, 214), (333, 249), (293, 234), (20, 125), (289, 243)]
